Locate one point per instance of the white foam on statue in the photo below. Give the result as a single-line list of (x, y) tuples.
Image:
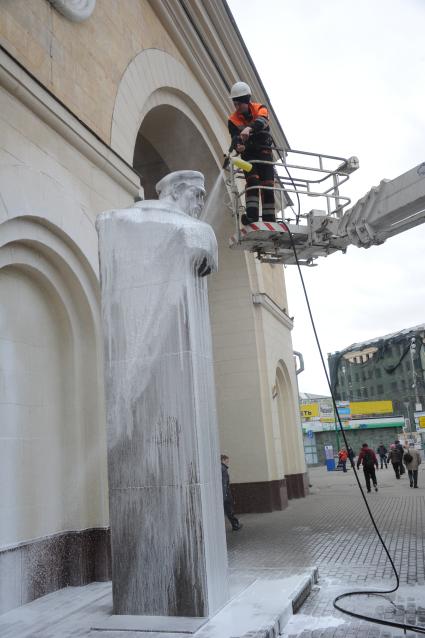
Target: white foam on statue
[(167, 526)]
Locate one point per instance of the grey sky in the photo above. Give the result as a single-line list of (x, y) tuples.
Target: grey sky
[(348, 78)]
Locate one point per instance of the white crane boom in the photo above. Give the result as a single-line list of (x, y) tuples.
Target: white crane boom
[(389, 209)]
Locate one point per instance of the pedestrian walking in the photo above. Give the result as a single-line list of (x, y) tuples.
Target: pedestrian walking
[(382, 453), (395, 456), (227, 494), (412, 460), (367, 458), (400, 448), (351, 454), (342, 458)]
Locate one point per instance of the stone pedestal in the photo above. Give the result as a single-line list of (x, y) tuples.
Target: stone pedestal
[(167, 526)]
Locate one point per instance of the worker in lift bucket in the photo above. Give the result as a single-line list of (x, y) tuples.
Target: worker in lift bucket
[(250, 130)]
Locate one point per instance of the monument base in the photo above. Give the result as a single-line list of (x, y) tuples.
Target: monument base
[(266, 605), (148, 624)]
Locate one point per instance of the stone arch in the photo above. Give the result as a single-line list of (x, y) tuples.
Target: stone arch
[(156, 96), (153, 78), (290, 434), (49, 333), (155, 91), (42, 197)]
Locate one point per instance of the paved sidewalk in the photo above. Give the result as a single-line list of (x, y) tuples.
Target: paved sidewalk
[(331, 529)]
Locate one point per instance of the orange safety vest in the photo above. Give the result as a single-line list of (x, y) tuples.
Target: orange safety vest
[(255, 109)]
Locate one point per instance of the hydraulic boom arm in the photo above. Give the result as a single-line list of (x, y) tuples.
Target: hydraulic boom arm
[(386, 210)]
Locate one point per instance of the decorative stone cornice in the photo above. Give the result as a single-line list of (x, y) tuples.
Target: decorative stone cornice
[(262, 299), (75, 10), (207, 39)]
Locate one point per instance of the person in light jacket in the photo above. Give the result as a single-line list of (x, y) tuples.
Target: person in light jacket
[(412, 460)]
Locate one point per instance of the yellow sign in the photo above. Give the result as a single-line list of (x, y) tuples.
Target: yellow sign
[(371, 407), (422, 421), (309, 409)]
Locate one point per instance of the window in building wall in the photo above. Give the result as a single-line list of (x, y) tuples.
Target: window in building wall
[(356, 376), (403, 384), (363, 375), (394, 386), (372, 390), (369, 373), (380, 389), (365, 394), (378, 373)]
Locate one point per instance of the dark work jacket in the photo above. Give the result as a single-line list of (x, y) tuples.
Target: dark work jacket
[(258, 119), (225, 479), (382, 450)]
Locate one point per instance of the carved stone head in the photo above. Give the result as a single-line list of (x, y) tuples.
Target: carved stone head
[(186, 189)]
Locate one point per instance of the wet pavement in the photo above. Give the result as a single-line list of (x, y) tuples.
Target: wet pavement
[(331, 529)]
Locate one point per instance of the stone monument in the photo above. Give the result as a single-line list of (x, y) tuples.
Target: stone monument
[(167, 526)]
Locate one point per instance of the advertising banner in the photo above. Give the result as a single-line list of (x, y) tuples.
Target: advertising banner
[(371, 407), (309, 410)]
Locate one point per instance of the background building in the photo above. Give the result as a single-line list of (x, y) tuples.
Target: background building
[(385, 368), (94, 98)]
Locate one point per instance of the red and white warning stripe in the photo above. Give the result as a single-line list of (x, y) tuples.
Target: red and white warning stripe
[(266, 229)]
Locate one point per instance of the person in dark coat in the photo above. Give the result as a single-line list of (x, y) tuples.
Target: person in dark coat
[(367, 458), (227, 494), (400, 448), (382, 453), (351, 454)]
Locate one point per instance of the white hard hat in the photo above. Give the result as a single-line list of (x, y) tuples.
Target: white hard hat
[(240, 89)]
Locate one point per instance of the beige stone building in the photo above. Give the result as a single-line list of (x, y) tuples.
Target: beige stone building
[(94, 98)]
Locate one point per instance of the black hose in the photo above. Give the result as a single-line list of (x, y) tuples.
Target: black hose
[(405, 627)]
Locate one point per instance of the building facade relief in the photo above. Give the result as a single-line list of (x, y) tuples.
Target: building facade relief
[(81, 123)]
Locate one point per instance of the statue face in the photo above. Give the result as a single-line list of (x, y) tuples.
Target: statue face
[(191, 199)]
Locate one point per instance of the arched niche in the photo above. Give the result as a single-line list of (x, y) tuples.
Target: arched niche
[(290, 435), (52, 396), (154, 77), (169, 141), (164, 121)]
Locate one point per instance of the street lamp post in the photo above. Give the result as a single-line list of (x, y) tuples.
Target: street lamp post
[(336, 429), (418, 406)]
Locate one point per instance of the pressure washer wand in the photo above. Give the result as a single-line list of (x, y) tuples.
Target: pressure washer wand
[(236, 161), (235, 141)]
